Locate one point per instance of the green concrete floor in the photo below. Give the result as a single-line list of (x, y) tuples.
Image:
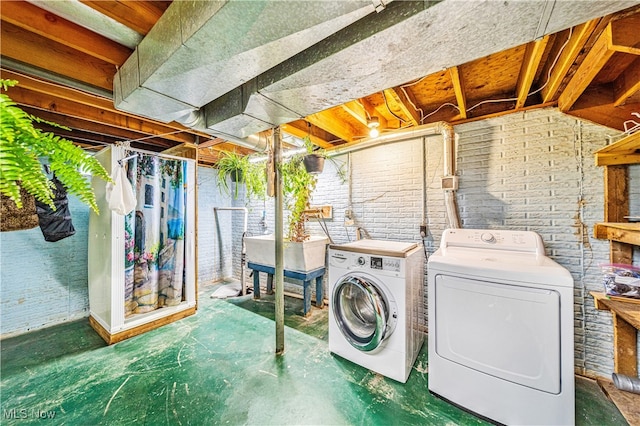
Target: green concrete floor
[(219, 367)]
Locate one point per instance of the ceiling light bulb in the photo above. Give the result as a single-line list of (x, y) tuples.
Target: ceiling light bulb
[(373, 123)]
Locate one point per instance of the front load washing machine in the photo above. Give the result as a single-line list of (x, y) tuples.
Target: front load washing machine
[(501, 327), (376, 302)]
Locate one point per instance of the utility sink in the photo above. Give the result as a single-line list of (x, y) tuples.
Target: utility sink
[(305, 256)]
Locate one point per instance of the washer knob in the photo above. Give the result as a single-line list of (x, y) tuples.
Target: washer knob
[(361, 261), (488, 237)]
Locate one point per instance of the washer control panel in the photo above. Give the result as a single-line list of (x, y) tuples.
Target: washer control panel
[(361, 261)]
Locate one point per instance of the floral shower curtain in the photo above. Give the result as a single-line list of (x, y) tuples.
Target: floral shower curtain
[(154, 234)]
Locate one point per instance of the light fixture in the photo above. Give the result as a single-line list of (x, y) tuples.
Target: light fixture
[(373, 123)]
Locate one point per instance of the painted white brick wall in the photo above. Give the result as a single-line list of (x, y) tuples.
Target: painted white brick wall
[(43, 283), (214, 230)]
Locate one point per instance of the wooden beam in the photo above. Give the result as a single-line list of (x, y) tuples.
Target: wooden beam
[(627, 84), (597, 57), (576, 42), (616, 205), (404, 104), (619, 36), (625, 358), (303, 133), (36, 100), (86, 139), (625, 36), (90, 127), (357, 110), (140, 16), (29, 48), (458, 88), (596, 105), (328, 122), (530, 63), (53, 27)]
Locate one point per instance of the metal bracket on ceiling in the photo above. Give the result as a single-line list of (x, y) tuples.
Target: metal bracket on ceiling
[(379, 5), (544, 19)]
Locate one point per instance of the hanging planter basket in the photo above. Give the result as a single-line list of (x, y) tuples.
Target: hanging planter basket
[(236, 176), (15, 219), (313, 163)]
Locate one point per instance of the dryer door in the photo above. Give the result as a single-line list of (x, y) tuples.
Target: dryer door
[(364, 313), (508, 331)]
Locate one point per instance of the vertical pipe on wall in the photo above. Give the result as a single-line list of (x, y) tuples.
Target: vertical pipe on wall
[(424, 182), (279, 270), (449, 170)]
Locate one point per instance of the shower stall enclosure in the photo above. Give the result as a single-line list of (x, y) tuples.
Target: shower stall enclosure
[(142, 265)]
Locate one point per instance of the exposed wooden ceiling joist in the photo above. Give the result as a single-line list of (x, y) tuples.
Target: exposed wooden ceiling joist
[(530, 64), (45, 24), (619, 36), (459, 89)]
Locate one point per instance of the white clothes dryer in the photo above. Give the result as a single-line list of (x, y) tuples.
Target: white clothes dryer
[(376, 290), (501, 327)]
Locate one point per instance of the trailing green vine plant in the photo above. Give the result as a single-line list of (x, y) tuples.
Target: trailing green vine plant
[(297, 187), (240, 169), (22, 147)]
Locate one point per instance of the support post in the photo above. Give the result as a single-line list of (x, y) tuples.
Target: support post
[(279, 270)]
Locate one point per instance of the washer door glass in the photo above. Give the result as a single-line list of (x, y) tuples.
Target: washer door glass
[(361, 312)]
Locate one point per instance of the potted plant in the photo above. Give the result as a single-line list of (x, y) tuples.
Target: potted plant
[(314, 159), (23, 147), (302, 252), (240, 170)]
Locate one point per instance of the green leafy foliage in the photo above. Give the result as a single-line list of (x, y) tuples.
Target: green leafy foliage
[(239, 166), (297, 187), (22, 146)]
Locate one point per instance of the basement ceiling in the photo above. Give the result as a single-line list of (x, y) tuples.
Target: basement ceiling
[(233, 70)]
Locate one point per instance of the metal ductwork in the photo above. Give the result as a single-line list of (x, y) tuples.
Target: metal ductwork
[(236, 68), (357, 61), (200, 50)]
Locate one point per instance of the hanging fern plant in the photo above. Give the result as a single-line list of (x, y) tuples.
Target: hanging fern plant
[(22, 146)]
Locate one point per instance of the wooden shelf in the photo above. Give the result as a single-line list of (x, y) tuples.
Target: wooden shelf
[(623, 237), (628, 233), (625, 151), (626, 322)]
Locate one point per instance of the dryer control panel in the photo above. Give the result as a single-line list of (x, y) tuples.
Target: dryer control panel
[(495, 239)]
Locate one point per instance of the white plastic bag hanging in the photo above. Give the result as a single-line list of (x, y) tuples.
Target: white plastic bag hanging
[(119, 194)]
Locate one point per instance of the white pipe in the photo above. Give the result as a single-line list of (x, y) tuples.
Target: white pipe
[(431, 129), (243, 250), (449, 170)]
